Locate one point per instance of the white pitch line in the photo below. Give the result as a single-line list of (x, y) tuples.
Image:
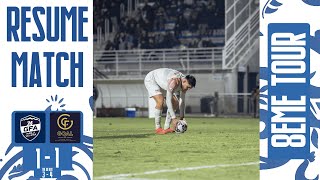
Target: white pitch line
[(175, 170)]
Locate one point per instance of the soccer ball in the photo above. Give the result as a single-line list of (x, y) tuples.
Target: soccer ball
[(181, 126)]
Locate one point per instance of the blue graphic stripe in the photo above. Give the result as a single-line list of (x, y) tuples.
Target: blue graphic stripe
[(83, 169), (11, 162), (86, 150), (18, 174)]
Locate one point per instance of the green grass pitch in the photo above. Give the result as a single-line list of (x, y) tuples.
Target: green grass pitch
[(129, 146)]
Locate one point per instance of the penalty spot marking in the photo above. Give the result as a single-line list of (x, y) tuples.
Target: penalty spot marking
[(175, 170)]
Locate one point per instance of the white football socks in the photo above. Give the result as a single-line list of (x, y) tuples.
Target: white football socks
[(168, 121), (157, 118)]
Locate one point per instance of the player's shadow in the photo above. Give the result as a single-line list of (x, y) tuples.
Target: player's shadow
[(124, 136)]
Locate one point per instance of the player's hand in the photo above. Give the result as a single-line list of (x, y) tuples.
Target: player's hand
[(174, 122)]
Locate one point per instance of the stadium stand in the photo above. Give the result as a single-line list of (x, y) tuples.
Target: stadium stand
[(217, 41), (160, 24)]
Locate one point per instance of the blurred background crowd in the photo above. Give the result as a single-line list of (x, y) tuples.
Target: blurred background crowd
[(161, 23)]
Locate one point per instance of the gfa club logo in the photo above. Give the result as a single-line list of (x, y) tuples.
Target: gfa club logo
[(30, 127)]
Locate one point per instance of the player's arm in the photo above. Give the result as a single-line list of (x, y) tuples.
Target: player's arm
[(169, 104), (182, 104), (171, 87)]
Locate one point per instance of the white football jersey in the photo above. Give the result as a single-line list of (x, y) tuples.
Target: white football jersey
[(162, 77)]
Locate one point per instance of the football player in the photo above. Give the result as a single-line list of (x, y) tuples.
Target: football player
[(167, 82)]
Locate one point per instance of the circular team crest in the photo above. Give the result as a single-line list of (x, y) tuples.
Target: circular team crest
[(64, 122)]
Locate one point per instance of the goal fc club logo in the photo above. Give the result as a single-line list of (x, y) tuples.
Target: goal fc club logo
[(30, 127), (65, 127), (64, 122)]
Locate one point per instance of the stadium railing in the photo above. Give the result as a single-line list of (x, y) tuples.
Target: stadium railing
[(138, 62), (242, 31)]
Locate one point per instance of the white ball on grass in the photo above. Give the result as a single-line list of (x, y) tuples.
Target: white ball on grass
[(181, 127)]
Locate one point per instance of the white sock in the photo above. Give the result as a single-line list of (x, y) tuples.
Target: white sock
[(157, 118), (168, 121)]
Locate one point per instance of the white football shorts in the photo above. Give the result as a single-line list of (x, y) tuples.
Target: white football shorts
[(152, 86)]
